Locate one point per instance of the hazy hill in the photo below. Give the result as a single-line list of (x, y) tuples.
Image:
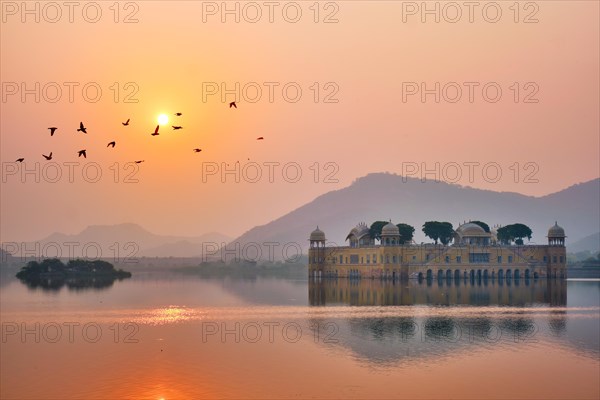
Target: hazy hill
[(131, 241), (185, 248), (383, 196), (589, 243)]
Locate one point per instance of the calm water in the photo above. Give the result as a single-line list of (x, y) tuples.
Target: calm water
[(173, 336)]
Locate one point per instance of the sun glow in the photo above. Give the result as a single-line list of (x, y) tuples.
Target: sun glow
[(163, 119)]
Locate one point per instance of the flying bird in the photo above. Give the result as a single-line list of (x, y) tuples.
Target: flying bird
[(179, 114), (126, 122), (20, 160), (260, 138), (81, 128), (156, 131), (111, 144), (177, 127), (52, 129), (82, 153), (232, 104), (48, 157), (197, 150), (140, 161)]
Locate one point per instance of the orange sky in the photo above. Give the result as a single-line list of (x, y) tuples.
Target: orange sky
[(368, 54)]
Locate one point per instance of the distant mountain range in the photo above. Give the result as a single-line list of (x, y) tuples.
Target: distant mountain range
[(373, 197), (117, 242), (589, 243), (384, 196)]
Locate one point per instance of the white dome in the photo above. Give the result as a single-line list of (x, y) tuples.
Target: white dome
[(361, 230), (471, 229), (390, 230)]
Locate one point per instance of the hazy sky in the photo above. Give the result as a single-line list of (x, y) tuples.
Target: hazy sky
[(366, 72)]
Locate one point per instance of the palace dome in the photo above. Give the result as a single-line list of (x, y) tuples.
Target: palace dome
[(359, 231), (471, 229), (556, 231), (317, 234), (390, 230)]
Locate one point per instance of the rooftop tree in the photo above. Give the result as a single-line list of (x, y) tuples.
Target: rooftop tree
[(406, 233), (436, 230), (514, 233), (521, 231)]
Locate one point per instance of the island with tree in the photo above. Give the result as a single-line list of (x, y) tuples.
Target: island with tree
[(52, 274)]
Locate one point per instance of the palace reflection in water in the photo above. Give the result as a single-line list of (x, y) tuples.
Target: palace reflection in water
[(481, 292), (447, 315)]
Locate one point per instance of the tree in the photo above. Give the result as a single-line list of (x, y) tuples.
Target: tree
[(51, 264), (79, 265), (375, 229), (446, 232), (406, 233), (35, 268), (103, 266), (441, 231), (520, 231), (430, 229), (89, 266), (503, 235), (32, 267), (485, 226), (514, 232)]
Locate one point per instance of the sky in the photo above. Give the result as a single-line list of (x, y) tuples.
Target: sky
[(336, 89)]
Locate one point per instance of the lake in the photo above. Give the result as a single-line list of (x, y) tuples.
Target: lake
[(168, 335)]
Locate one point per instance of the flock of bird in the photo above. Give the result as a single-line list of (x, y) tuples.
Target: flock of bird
[(112, 144)]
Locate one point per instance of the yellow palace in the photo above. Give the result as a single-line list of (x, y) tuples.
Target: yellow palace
[(474, 253)]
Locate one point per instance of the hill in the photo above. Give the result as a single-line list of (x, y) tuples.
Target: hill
[(385, 196), (589, 243), (116, 242)]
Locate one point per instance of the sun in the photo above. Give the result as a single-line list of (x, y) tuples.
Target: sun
[(163, 119)]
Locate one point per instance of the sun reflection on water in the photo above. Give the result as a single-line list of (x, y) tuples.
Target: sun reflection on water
[(167, 315)]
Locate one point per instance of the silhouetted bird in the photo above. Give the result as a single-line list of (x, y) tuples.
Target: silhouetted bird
[(232, 104), (156, 131), (52, 129), (177, 127), (111, 144), (81, 128), (179, 114), (49, 157), (126, 123), (197, 150), (82, 153), (140, 161), (260, 138), (20, 160)]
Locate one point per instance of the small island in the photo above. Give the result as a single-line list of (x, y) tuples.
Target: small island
[(76, 274)]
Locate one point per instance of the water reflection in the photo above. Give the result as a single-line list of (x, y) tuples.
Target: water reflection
[(448, 315), (367, 292), (55, 284), (364, 338)]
